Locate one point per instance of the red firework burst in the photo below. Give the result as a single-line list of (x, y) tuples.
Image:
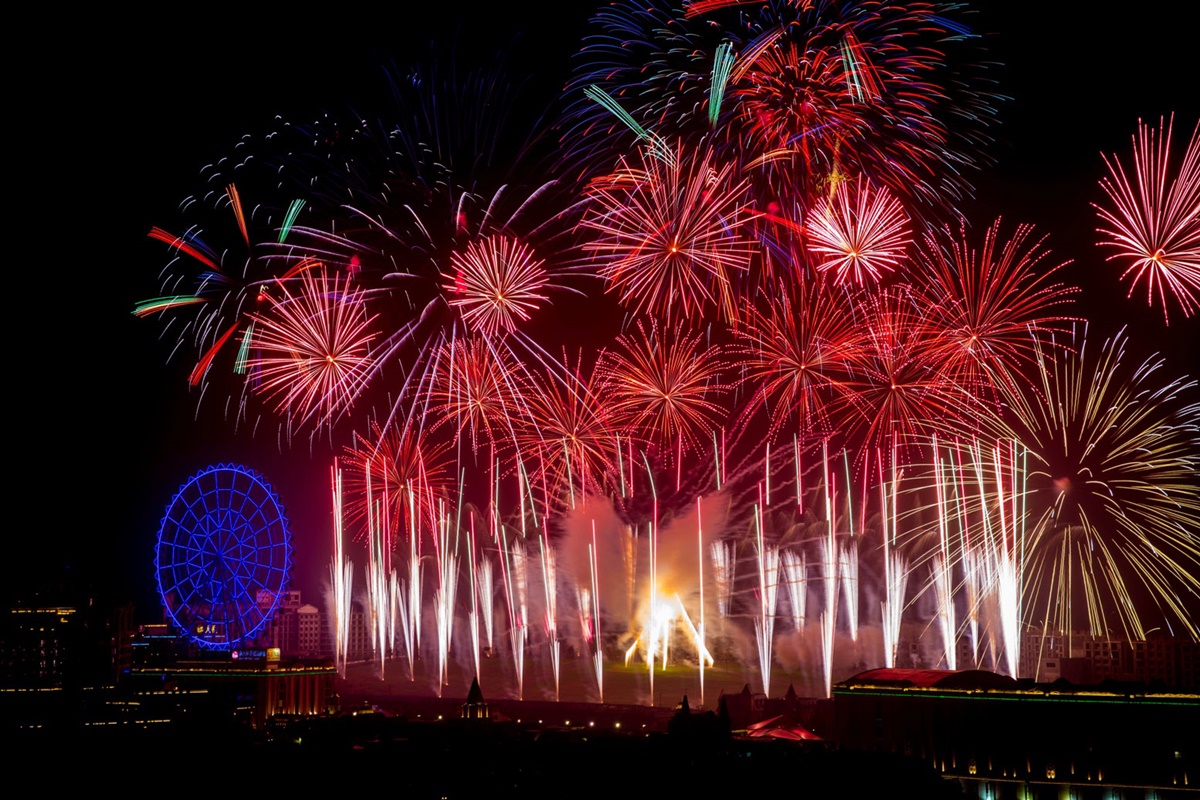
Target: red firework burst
[(496, 282), (1152, 219), (796, 352), (402, 471), (569, 432), (858, 232), (988, 306), (666, 387), (312, 350), (901, 389), (478, 386), (672, 235)]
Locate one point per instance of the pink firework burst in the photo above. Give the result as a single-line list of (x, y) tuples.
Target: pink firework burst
[(312, 350), (1152, 218), (672, 235), (858, 233), (496, 283), (404, 470)]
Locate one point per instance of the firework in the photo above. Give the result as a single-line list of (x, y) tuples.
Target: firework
[(813, 92), (668, 387), (858, 233), (981, 303), (1152, 218), (671, 237), (478, 389), (900, 389), (405, 468), (569, 433), (496, 283), (312, 351), (796, 354), (1111, 489)]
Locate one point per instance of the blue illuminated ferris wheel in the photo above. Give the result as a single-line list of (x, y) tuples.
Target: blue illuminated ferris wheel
[(224, 556)]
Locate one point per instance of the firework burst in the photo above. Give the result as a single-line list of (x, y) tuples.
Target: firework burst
[(796, 353), (1152, 218), (1112, 489), (982, 303), (312, 351), (497, 282), (671, 236), (666, 387), (858, 233)]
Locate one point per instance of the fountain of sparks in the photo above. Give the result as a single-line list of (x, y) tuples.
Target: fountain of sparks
[(550, 585), (378, 590), (724, 554), (515, 588), (795, 572), (943, 576), (848, 572), (976, 494)]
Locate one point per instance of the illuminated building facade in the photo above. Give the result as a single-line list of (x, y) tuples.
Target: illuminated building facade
[(1006, 738)]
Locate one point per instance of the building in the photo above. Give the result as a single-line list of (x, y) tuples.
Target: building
[(1023, 739)]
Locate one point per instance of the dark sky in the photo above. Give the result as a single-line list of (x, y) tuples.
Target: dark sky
[(120, 124)]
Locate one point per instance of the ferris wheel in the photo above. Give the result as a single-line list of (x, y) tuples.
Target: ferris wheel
[(223, 557)]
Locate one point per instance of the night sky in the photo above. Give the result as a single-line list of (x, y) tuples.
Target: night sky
[(121, 124)]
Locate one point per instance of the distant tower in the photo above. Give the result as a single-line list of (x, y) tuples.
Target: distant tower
[(475, 707)]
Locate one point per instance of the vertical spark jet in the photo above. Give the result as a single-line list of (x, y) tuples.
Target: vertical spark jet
[(513, 570), (768, 584), (341, 577), (943, 576), (378, 601), (723, 555), (1008, 555), (411, 620), (472, 582), (795, 571), (830, 564), (443, 603), (703, 646), (550, 587)]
